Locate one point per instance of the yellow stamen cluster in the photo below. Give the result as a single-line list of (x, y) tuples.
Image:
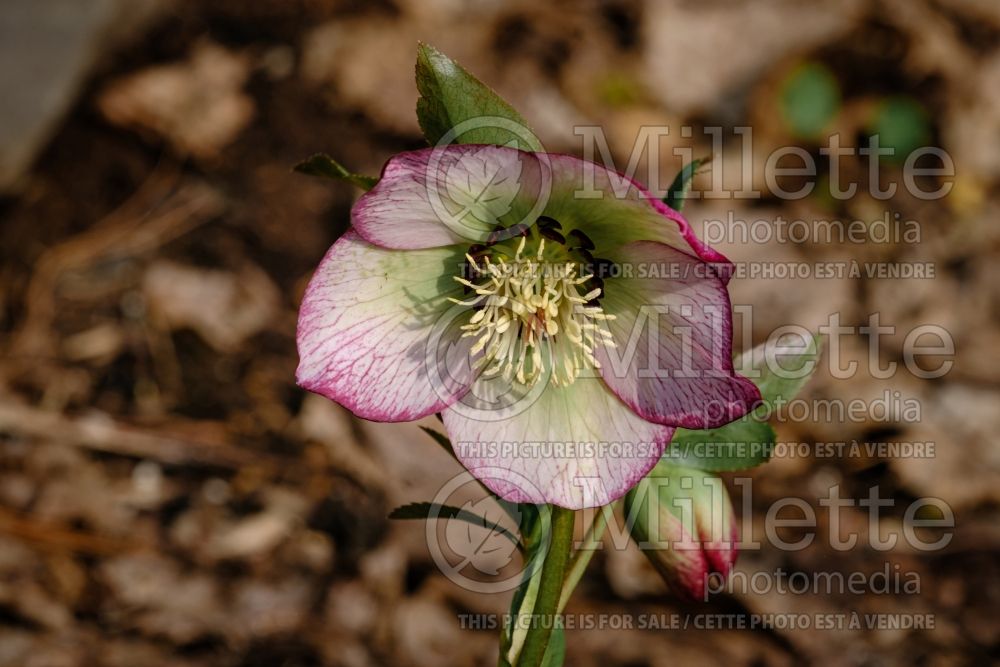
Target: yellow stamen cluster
[(530, 318)]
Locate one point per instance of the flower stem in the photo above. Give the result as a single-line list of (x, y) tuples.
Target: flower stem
[(578, 564), (546, 604)]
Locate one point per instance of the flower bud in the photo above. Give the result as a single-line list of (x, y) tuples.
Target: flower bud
[(682, 520)]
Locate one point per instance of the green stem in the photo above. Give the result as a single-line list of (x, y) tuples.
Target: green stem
[(535, 527), (581, 558), (546, 604)]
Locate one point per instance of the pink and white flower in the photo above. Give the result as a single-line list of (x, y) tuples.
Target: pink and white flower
[(561, 319)]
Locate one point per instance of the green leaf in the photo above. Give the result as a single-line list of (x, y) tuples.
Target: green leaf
[(679, 189), (453, 99), (902, 124), (326, 167), (744, 443), (809, 99), (748, 442), (438, 511), (781, 371)]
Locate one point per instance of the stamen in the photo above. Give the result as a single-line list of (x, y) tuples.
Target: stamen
[(580, 240), (552, 234), (531, 319)]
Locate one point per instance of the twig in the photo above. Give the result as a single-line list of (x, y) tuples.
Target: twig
[(99, 432)]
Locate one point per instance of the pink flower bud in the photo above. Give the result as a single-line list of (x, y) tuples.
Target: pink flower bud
[(682, 520)]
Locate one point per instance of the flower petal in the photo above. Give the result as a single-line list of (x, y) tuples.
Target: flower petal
[(612, 209), (575, 446), (672, 362), (452, 194), (377, 334)]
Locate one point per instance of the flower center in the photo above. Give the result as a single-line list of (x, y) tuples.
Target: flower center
[(531, 316)]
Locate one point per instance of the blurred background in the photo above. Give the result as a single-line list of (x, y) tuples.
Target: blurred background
[(169, 497)]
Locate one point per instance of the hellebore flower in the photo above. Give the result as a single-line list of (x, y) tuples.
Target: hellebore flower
[(682, 519), (561, 319)]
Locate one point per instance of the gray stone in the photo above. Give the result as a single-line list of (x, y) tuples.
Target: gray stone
[(47, 48)]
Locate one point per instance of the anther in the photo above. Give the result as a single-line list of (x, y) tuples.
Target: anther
[(580, 240)]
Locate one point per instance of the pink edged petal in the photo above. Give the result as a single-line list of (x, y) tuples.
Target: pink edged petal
[(377, 334), (719, 262), (672, 362), (576, 446), (452, 194), (613, 209)]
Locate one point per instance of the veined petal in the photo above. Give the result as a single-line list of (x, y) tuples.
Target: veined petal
[(574, 446), (672, 362), (452, 194), (612, 209), (377, 333)]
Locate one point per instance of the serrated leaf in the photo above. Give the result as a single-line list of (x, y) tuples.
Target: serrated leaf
[(426, 510), (451, 96), (325, 166), (677, 194), (748, 442)]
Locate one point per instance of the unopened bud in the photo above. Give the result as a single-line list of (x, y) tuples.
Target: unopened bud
[(682, 520)]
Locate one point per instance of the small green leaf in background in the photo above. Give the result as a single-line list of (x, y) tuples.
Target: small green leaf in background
[(902, 123), (618, 90), (434, 510), (450, 96), (326, 167), (809, 100), (749, 441), (679, 189)]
